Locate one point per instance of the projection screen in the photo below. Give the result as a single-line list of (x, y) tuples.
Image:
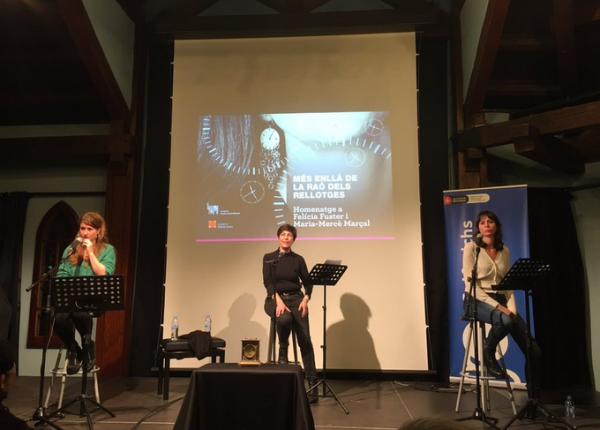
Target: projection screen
[(319, 132)]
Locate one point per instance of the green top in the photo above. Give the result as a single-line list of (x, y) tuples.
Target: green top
[(106, 257)]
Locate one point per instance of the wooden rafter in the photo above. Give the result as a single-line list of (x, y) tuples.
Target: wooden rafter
[(489, 41), (567, 120), (547, 150)]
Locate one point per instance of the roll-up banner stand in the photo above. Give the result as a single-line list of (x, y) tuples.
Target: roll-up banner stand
[(460, 211)]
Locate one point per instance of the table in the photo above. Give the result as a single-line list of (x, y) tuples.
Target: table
[(227, 396)]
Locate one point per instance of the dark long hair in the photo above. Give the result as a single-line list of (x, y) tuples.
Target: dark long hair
[(498, 240)]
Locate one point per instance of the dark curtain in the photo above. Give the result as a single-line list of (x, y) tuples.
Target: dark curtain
[(559, 302), (13, 207), (150, 265), (433, 179)]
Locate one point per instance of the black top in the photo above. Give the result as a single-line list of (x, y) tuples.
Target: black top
[(289, 270)]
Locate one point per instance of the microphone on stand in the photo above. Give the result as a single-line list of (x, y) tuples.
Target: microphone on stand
[(479, 241), (75, 244), (275, 261)]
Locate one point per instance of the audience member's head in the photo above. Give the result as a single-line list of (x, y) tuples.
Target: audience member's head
[(432, 424), (8, 368)]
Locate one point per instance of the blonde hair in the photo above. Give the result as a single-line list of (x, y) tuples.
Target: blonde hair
[(93, 219)]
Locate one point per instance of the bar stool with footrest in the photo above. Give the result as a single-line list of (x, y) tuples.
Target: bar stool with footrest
[(467, 373), (60, 370)]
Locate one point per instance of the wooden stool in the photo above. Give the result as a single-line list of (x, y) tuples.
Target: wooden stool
[(179, 349), (470, 373), (62, 372)]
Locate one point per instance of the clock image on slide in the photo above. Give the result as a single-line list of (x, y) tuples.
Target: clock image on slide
[(252, 192), (269, 139)]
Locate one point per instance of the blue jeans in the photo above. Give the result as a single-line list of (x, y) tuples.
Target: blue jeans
[(501, 326)]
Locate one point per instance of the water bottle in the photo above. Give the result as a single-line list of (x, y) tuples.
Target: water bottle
[(570, 411), (207, 323), (175, 328)]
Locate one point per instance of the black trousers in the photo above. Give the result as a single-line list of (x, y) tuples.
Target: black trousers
[(63, 327), (284, 328)]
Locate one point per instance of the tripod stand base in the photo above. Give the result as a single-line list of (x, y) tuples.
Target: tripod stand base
[(530, 411), (479, 415), (42, 419), (84, 411), (327, 389)]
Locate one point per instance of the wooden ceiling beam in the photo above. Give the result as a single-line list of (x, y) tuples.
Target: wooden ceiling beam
[(293, 6), (277, 25), (527, 42), (565, 47), (547, 150), (566, 120), (588, 143), (83, 148), (489, 42), (525, 88), (88, 46)]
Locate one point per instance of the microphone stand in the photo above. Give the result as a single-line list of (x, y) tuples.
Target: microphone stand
[(40, 413), (478, 413)]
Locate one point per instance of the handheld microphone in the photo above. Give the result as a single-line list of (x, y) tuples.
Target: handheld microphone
[(281, 254)]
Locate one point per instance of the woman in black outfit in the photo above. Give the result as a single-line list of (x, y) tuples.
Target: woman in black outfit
[(283, 270)]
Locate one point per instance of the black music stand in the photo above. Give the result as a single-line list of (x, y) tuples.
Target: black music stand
[(95, 295), (326, 275), (524, 275)]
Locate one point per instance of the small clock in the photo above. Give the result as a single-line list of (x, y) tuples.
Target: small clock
[(250, 353), (269, 139)]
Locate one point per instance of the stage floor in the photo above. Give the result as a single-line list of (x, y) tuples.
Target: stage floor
[(373, 405)]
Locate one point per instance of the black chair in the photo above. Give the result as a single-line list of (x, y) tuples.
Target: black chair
[(179, 349)]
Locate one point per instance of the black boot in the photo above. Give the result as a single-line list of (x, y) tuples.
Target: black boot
[(313, 396), (283, 356), (493, 368), (74, 362)]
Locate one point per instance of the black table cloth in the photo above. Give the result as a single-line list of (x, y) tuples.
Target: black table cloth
[(226, 396)]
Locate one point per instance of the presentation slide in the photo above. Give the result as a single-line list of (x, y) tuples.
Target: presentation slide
[(319, 132), (328, 173)]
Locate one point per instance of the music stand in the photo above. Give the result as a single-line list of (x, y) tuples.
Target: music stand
[(95, 295), (524, 275), (326, 275)]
